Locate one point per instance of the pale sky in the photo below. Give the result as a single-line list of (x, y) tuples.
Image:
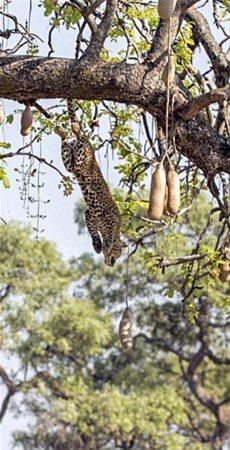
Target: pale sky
[(59, 225)]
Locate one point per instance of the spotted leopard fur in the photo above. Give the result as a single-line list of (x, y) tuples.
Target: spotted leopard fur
[(102, 215)]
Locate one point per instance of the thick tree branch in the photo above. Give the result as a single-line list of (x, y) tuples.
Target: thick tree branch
[(191, 377), (199, 141), (160, 40), (30, 78), (203, 34)]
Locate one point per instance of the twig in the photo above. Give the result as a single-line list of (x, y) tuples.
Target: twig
[(177, 261), (42, 160)]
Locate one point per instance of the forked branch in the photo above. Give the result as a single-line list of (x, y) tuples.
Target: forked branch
[(99, 36)]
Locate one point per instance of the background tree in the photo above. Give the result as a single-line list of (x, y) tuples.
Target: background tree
[(170, 392)]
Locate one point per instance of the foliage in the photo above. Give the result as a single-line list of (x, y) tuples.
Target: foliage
[(35, 269)]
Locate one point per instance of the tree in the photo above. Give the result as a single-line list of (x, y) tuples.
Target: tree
[(121, 51), (133, 75), (115, 79), (170, 392)]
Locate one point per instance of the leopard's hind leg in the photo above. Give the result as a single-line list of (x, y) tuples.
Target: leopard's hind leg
[(93, 230)]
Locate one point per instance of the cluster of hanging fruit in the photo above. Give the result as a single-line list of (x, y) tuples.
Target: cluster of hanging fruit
[(164, 192), (165, 187)]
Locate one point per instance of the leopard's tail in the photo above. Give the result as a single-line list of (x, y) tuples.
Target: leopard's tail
[(76, 129)]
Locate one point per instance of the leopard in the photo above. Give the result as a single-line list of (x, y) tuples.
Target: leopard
[(102, 214)]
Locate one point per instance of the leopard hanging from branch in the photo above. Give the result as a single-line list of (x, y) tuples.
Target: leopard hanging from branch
[(102, 215)]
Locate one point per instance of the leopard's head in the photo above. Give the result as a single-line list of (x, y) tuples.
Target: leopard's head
[(114, 253), (62, 132)]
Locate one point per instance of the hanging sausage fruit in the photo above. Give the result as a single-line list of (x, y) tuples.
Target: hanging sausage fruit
[(26, 121), (157, 193), (125, 330), (166, 8), (173, 185)]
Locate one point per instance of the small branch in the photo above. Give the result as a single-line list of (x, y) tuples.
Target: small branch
[(161, 343), (50, 43), (4, 292), (19, 28), (10, 391), (5, 378), (216, 359), (148, 134), (86, 13), (41, 160), (193, 107), (3, 221), (215, 192), (42, 110), (177, 261)]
